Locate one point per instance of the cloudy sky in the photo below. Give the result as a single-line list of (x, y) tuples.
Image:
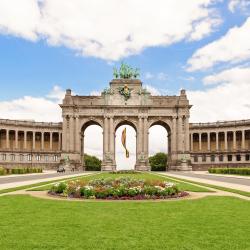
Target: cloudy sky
[(47, 46)]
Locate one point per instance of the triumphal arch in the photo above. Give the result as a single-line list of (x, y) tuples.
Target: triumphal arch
[(125, 101)]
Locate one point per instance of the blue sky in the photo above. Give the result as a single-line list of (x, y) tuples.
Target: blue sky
[(36, 59)]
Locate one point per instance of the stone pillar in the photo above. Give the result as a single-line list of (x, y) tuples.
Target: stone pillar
[(25, 140), (42, 139), (145, 137), (64, 134), (105, 137), (225, 138), (7, 138), (16, 139), (59, 141), (71, 134), (187, 133), (51, 140), (111, 138), (77, 135), (173, 135), (199, 141), (208, 142), (234, 140), (217, 140), (180, 134), (140, 139), (192, 141), (34, 140), (243, 140)]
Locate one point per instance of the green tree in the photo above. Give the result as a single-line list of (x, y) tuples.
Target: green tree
[(92, 163), (158, 161)]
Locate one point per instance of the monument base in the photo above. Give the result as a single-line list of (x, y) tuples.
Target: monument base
[(142, 168), (108, 167)]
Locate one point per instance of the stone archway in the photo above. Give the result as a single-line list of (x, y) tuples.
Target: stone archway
[(127, 101), (84, 126), (167, 126)]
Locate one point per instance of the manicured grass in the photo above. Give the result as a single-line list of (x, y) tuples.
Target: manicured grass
[(244, 193), (210, 223), (8, 190), (147, 176)]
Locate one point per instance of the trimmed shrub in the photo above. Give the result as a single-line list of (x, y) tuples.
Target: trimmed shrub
[(92, 163), (3, 171), (158, 162), (236, 171), (25, 170)]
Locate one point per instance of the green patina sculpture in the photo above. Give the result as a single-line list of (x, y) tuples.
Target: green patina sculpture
[(126, 72)]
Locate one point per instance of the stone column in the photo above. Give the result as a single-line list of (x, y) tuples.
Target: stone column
[(71, 134), (145, 137), (42, 139), (64, 135), (59, 141), (180, 134), (217, 140), (192, 141), (199, 141), (77, 135), (25, 139), (243, 139), (225, 138), (34, 140), (208, 142), (105, 138), (173, 135), (234, 140), (7, 138), (16, 139), (111, 137), (187, 133), (139, 137), (50, 140)]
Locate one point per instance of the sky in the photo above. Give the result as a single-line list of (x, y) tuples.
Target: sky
[(47, 46)]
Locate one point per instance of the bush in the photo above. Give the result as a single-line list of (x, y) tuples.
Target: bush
[(158, 162), (3, 171), (92, 163), (25, 170), (237, 171)]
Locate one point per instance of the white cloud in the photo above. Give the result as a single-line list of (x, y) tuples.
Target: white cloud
[(233, 47), (95, 93), (242, 5), (152, 90), (162, 76), (148, 75), (108, 29), (235, 75), (228, 100), (43, 109)]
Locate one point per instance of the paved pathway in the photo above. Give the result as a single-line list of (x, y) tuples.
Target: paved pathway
[(242, 184), (10, 182)]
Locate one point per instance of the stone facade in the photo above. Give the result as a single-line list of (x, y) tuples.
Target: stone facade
[(200, 145), (141, 110), (220, 144), (29, 143)]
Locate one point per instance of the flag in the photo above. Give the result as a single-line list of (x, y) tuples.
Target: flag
[(123, 139)]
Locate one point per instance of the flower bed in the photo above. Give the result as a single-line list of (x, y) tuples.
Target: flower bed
[(124, 172), (123, 188)]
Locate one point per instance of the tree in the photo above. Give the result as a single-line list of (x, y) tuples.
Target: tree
[(92, 163), (158, 162)]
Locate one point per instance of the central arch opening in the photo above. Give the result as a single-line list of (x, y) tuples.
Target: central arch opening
[(123, 162), (159, 146)]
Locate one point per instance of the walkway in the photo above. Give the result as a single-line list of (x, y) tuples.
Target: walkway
[(21, 180), (236, 182)]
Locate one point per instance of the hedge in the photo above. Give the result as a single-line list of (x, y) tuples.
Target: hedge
[(239, 171), (4, 171)]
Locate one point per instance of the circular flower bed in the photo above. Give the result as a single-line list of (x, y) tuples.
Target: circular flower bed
[(123, 188)]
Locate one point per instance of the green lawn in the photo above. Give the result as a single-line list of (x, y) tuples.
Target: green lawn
[(182, 186), (209, 223)]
